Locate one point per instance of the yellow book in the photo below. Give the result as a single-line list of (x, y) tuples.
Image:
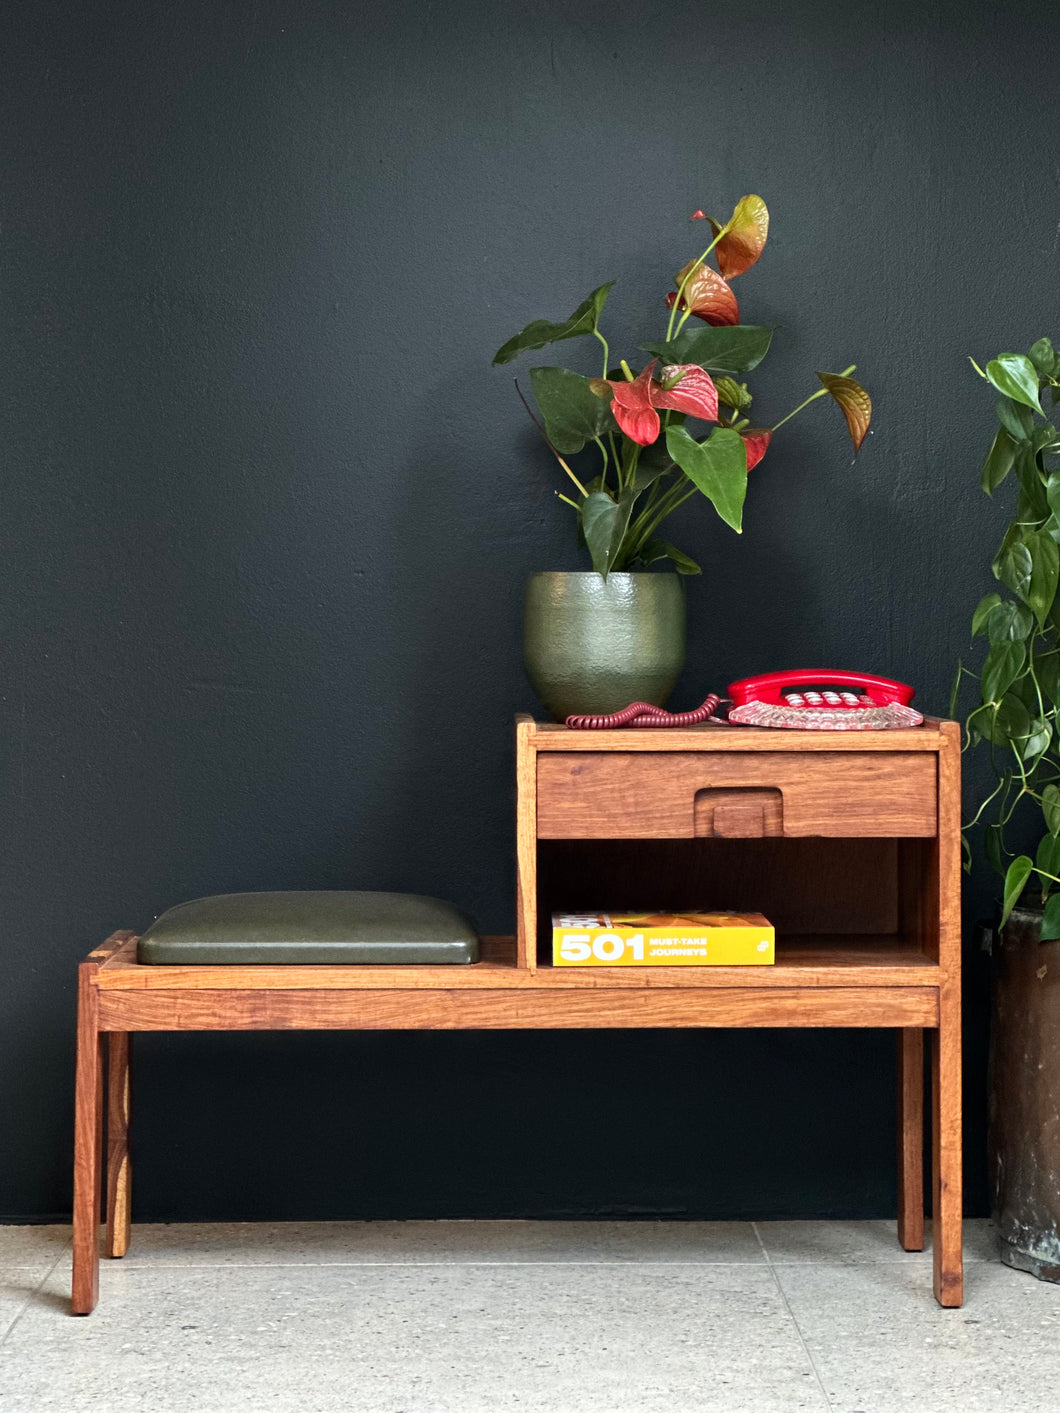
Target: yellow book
[(661, 940)]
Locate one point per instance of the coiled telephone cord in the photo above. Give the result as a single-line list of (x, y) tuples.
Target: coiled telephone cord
[(645, 714)]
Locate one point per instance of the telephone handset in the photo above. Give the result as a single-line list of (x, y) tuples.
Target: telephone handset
[(822, 699)]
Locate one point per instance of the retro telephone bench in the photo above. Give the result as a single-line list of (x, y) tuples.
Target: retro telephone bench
[(848, 842)]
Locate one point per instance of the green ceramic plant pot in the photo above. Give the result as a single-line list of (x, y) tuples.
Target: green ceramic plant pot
[(591, 646)]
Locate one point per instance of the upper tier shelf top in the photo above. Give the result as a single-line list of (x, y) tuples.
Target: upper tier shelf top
[(805, 961), (551, 736)]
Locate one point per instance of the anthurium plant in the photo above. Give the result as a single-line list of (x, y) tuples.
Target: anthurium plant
[(650, 460), (1018, 684)]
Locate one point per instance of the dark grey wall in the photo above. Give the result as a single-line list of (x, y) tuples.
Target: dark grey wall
[(266, 513)]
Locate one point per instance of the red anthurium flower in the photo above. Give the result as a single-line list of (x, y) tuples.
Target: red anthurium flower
[(688, 388), (684, 387), (745, 239), (707, 295), (756, 441)]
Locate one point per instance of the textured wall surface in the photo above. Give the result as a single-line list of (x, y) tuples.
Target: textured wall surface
[(266, 512)]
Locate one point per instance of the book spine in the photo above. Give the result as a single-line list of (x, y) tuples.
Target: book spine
[(655, 947)]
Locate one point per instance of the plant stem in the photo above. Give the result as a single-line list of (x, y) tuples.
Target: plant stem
[(821, 392), (691, 271), (978, 815), (1034, 676), (628, 471), (614, 450), (607, 351), (633, 531), (546, 440), (603, 471), (661, 511)]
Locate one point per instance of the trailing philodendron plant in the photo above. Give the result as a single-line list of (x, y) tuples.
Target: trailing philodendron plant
[(649, 461), (1018, 713)]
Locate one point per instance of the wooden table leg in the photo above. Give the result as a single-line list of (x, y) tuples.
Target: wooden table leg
[(119, 1172), (88, 1142), (911, 1139), (946, 1149)]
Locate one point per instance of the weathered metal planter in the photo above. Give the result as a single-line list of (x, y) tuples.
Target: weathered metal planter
[(1025, 1096), (594, 647)]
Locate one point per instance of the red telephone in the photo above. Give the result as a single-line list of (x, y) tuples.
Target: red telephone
[(864, 704), (808, 699)]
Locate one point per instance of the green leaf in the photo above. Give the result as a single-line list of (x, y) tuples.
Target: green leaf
[(1012, 563), (1051, 918), (1042, 356), (1019, 870), (1016, 376), (1024, 688), (604, 524), (1043, 437), (1010, 622), (1002, 666), (1016, 419), (1037, 741), (1045, 571), (655, 550), (573, 413), (1051, 809), (1010, 722), (1033, 502), (983, 609), (992, 849), (732, 348), (654, 461), (644, 476), (1047, 859), (1047, 671), (536, 335), (717, 467), (998, 461)]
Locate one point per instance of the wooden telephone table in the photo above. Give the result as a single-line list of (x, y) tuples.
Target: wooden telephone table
[(848, 841)]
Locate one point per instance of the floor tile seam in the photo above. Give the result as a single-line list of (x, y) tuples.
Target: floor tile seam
[(794, 1322), (900, 1258), (752, 1265), (30, 1294), (15, 1266)]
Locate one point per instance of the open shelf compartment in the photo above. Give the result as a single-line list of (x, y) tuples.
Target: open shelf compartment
[(835, 902)]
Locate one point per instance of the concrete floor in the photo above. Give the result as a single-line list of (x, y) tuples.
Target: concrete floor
[(539, 1317)]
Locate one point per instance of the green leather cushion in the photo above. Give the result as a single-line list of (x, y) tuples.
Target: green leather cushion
[(322, 927)]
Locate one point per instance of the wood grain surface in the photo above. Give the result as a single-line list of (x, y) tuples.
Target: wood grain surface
[(831, 960), (597, 1009), (88, 1138), (550, 736), (947, 1158), (625, 795), (911, 1139), (119, 1169), (525, 847), (900, 968), (812, 886)]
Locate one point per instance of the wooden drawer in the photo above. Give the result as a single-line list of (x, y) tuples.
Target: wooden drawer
[(690, 794)]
